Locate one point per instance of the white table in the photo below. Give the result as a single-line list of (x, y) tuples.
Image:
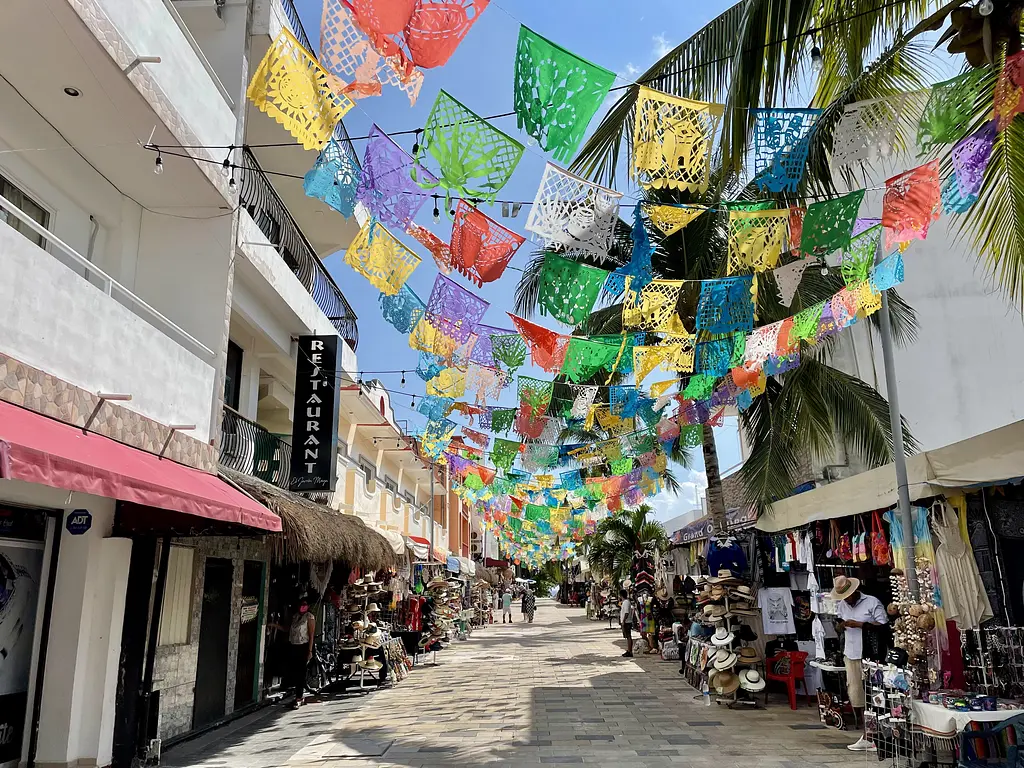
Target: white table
[(936, 720)]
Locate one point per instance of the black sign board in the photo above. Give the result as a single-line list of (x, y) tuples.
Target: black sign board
[(315, 416)]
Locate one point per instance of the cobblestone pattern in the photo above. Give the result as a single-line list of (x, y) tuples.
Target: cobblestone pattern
[(175, 665), (44, 393), (552, 693)]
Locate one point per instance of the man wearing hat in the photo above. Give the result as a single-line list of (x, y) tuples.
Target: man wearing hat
[(854, 610)]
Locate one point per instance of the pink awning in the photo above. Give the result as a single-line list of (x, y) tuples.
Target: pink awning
[(37, 449)]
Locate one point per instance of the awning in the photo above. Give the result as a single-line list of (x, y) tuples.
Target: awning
[(419, 547), (314, 533), (466, 566), (38, 449), (989, 458), (452, 564), (395, 539)]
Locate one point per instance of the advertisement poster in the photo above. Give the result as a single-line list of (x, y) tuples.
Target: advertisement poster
[(21, 565)]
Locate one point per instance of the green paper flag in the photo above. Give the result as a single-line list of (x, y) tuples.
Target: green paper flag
[(699, 387), (502, 419), (556, 93), (584, 358), (504, 452), (509, 349), (828, 224), (950, 108), (568, 289)]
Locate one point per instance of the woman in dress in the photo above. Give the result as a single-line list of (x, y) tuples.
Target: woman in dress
[(529, 604)]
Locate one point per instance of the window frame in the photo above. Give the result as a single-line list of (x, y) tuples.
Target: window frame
[(16, 223)]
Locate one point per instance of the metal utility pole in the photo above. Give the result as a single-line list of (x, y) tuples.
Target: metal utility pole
[(899, 459)]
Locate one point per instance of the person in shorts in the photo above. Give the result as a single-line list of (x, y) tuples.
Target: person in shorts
[(626, 620)]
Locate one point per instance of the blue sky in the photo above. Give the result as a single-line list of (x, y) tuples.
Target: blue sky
[(479, 75)]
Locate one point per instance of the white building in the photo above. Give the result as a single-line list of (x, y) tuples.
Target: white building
[(184, 292)]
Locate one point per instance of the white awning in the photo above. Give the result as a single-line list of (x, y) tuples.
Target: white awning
[(992, 457), (467, 565), (418, 549), (395, 539)]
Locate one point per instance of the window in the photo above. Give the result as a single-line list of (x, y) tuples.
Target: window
[(233, 376), (176, 613), (342, 449), (35, 211), (390, 484), (368, 470)]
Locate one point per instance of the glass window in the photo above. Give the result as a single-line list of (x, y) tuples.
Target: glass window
[(390, 484), (35, 211), (368, 470)]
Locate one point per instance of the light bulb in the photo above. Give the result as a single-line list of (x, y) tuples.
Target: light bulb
[(816, 62), (824, 269), (225, 167), (985, 7), (403, 378), (437, 214), (231, 183), (158, 167)]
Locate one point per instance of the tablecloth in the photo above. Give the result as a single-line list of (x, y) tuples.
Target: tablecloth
[(936, 720)]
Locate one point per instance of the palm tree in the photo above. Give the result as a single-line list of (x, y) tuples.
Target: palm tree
[(618, 539), (738, 59)]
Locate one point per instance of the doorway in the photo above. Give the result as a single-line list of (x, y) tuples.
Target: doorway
[(214, 629), (249, 622)]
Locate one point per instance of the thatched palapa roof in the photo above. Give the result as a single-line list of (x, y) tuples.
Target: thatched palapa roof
[(315, 533)]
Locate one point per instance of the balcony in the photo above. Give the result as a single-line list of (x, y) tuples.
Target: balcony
[(271, 215)]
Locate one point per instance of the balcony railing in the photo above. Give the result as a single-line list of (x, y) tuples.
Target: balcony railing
[(271, 215), (296, 22), (247, 447)]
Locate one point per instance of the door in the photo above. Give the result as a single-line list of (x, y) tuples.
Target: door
[(250, 619), (214, 628)]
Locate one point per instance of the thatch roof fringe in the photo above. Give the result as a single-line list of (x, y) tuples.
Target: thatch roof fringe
[(315, 533)]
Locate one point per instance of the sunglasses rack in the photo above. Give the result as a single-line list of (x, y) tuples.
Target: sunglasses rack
[(994, 661)]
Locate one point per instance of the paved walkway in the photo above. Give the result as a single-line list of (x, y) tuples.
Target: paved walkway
[(552, 693)]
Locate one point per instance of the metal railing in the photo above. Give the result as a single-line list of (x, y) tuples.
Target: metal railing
[(247, 447), (293, 18), (93, 274), (271, 215)]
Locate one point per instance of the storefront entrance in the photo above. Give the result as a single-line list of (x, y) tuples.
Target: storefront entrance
[(22, 535), (249, 633), (214, 628)]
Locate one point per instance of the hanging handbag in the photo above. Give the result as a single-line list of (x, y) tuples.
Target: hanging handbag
[(880, 550), (860, 543), (844, 548)]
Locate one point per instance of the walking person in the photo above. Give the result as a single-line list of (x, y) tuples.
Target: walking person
[(506, 606), (856, 611), (529, 604), (626, 620)]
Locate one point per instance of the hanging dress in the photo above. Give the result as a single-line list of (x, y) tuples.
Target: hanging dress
[(963, 593)]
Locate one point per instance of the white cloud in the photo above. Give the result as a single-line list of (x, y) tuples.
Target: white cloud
[(630, 72), (661, 45)]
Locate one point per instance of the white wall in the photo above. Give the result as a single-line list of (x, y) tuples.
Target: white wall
[(80, 677), (221, 39), (151, 31), (54, 320)]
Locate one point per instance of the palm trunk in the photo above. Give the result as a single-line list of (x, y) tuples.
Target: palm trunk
[(716, 499)]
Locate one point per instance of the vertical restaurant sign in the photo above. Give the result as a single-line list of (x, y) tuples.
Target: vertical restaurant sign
[(315, 416)]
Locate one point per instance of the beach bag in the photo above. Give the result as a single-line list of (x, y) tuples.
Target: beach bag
[(670, 650), (860, 544), (843, 549), (880, 551)]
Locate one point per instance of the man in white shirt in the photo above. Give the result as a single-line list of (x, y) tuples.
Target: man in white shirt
[(855, 610), (626, 620)]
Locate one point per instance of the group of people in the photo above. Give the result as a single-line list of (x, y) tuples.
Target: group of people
[(529, 603), (646, 617)]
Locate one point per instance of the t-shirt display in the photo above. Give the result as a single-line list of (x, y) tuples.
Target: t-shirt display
[(776, 604)]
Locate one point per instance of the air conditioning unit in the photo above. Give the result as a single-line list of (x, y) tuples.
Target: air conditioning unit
[(475, 550)]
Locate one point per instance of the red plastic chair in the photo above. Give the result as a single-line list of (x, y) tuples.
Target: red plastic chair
[(796, 673)]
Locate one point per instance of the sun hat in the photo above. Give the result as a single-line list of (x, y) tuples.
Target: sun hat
[(748, 655), (718, 592), (722, 636), (724, 682), (373, 608), (714, 611), (726, 662), (843, 587), (373, 664), (724, 577), (741, 592), (747, 610), (751, 680)]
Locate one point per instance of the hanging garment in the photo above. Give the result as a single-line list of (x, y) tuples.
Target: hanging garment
[(963, 593), (726, 556)]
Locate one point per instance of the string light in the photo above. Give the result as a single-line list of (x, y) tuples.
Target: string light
[(816, 61), (158, 166), (403, 378), (416, 141), (437, 211), (225, 167)]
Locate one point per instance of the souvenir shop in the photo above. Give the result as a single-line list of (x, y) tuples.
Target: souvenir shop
[(942, 668)]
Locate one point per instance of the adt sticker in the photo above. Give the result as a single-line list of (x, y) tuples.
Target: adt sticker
[(79, 522)]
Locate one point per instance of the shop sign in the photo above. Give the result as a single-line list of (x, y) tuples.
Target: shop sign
[(703, 528), (79, 522), (315, 415)]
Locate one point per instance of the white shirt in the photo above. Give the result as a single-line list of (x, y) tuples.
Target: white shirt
[(869, 609), (776, 604), (626, 612)]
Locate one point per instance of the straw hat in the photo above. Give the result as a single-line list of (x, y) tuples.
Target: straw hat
[(722, 636), (751, 680), (373, 608), (718, 592), (724, 577), (714, 611), (724, 683), (728, 661), (743, 610), (741, 592), (371, 664), (843, 587), (748, 655)]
